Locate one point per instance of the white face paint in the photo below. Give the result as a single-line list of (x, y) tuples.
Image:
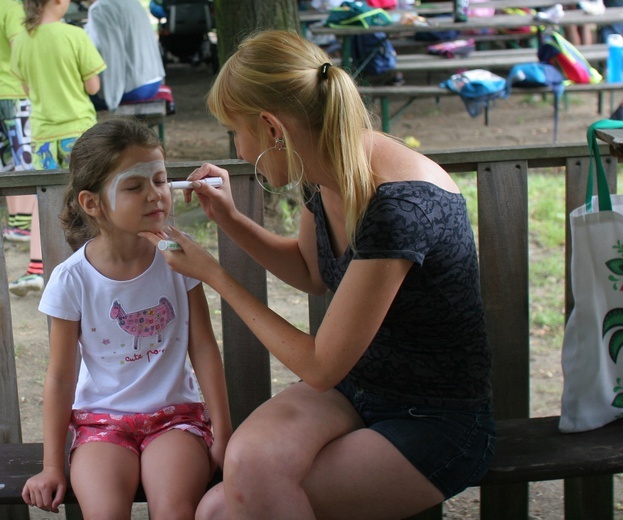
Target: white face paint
[(145, 169)]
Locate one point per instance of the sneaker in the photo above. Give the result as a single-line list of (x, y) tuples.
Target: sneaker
[(14, 234), (26, 283)]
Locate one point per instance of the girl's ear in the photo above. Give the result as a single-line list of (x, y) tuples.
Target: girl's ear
[(90, 203)]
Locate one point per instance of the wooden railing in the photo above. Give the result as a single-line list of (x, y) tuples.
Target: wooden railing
[(502, 177)]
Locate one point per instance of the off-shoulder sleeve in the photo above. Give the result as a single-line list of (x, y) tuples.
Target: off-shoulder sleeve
[(394, 228)]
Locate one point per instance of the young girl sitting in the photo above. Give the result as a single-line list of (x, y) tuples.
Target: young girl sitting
[(136, 416)]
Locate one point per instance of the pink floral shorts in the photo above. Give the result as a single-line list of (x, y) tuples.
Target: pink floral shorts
[(136, 431)]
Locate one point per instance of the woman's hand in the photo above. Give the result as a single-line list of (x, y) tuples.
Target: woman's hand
[(46, 490), (217, 203), (191, 260)]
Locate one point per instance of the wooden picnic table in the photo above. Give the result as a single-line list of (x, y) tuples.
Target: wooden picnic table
[(428, 9), (612, 15)]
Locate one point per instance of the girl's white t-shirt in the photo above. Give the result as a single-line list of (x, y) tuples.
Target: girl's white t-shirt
[(133, 335)]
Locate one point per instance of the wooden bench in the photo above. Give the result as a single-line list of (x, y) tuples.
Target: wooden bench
[(529, 449), (408, 94), (494, 60), (151, 113)]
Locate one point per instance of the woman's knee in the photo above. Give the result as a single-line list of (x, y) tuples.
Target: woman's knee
[(181, 510), (251, 454), (212, 505)]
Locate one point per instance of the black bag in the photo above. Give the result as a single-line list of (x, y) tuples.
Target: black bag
[(373, 54)]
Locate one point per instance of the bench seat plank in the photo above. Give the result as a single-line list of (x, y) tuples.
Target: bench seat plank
[(19, 462), (534, 450), (528, 450), (145, 108), (435, 90)]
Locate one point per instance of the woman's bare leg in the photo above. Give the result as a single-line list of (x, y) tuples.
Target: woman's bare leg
[(304, 454)]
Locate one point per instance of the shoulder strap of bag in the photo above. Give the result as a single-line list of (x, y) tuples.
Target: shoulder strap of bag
[(603, 192)]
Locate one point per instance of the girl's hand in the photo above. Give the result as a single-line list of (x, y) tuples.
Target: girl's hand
[(217, 452), (217, 203), (191, 260), (46, 490)]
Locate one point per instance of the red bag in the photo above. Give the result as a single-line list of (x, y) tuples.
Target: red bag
[(383, 4), (560, 52)]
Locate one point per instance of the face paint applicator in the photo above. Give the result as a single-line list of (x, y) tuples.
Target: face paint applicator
[(217, 182)]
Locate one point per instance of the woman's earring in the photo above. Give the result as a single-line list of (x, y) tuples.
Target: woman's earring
[(280, 144)]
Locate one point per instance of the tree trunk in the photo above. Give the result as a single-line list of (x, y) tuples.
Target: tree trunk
[(235, 19)]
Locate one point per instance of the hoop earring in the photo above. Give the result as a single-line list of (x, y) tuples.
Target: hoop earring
[(279, 145)]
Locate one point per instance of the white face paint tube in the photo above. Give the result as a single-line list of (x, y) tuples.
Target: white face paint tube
[(182, 185), (163, 245)]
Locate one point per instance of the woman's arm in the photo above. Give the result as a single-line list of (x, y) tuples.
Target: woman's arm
[(47, 489), (350, 323), (206, 360), (352, 320), (289, 259)]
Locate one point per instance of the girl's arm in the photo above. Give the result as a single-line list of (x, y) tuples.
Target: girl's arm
[(206, 360), (92, 85), (47, 489)]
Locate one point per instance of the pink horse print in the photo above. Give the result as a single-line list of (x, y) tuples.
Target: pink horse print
[(144, 323)]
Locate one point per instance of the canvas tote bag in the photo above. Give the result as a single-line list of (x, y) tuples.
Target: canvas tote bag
[(592, 357)]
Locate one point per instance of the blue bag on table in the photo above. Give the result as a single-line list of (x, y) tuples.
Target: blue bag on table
[(356, 14), (538, 75), (477, 88), (373, 54)]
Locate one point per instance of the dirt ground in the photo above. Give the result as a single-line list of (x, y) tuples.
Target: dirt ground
[(192, 135)]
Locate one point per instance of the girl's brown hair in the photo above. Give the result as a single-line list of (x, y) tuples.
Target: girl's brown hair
[(33, 10), (95, 155)]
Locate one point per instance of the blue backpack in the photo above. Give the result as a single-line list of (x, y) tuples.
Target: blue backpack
[(536, 75), (530, 75), (477, 88), (373, 54)]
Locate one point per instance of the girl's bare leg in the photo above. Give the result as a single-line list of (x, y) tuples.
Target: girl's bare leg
[(104, 477), (21, 204), (176, 470), (35, 234)]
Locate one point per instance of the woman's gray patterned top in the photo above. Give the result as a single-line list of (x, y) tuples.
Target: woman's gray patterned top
[(432, 344)]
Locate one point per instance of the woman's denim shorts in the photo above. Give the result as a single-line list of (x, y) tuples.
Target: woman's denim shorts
[(449, 445)]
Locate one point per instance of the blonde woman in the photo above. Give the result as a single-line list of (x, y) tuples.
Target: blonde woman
[(393, 411)]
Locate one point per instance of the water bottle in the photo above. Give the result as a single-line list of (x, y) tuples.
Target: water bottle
[(460, 10), (614, 65)]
